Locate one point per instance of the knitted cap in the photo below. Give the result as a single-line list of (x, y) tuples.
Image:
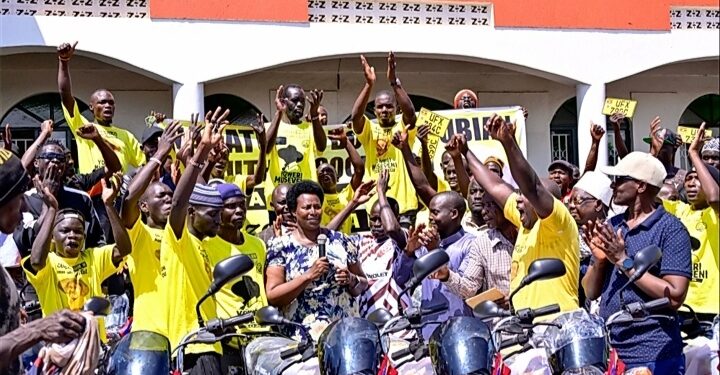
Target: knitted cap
[(712, 145), (203, 195), (228, 191), (13, 177)]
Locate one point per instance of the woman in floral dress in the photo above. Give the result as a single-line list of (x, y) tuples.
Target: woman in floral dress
[(308, 289)]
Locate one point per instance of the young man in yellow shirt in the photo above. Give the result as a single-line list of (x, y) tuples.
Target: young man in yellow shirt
[(546, 228), (145, 212), (66, 277), (231, 240), (327, 177), (185, 266), (376, 137)]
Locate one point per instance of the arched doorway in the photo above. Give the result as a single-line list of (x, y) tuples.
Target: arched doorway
[(563, 133), (705, 109), (241, 111), (26, 116)]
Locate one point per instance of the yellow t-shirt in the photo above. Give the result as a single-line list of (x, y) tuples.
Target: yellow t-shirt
[(556, 236), (124, 143), (333, 204), (185, 276), (442, 185), (66, 283), (144, 267), (381, 154), (228, 303), (292, 159), (704, 291)]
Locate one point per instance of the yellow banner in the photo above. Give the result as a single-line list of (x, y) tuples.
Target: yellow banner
[(615, 105), (687, 134)]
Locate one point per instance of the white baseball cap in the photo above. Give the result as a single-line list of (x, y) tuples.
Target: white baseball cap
[(597, 185), (640, 166)]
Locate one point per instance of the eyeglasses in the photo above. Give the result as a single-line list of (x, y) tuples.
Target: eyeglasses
[(579, 202), (52, 156)]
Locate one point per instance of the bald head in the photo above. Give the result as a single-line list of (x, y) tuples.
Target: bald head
[(552, 187), (446, 212), (280, 192)]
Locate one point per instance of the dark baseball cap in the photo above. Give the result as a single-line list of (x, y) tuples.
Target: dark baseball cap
[(669, 137), (564, 165), (13, 177), (150, 133)]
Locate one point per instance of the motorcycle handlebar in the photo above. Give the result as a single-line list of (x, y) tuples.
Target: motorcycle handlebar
[(657, 304), (528, 315), (434, 309), (520, 339), (219, 325), (285, 354), (402, 353)]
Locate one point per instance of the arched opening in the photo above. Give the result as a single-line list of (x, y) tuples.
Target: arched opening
[(705, 109), (419, 101), (563, 133), (26, 116), (241, 111)]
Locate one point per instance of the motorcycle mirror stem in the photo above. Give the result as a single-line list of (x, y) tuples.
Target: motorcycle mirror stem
[(224, 272), (539, 269), (643, 260), (423, 267)]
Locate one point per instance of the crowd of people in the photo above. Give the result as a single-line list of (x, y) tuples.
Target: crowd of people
[(144, 223)]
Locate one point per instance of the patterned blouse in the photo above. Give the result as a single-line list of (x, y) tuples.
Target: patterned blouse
[(323, 301)]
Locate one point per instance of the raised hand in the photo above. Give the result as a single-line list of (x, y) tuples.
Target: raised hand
[(499, 129), (400, 138), (698, 141), (7, 138), (214, 126), (65, 51), (315, 99), (368, 70), (364, 192), (338, 134), (414, 239), (392, 66), (89, 132), (430, 238), (159, 117), (171, 134), (423, 133), (655, 136), (616, 119), (454, 144), (111, 188), (259, 128), (280, 101), (383, 181), (175, 171), (596, 132), (45, 188), (46, 127)]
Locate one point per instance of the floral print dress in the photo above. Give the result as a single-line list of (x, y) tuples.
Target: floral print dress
[(323, 301)]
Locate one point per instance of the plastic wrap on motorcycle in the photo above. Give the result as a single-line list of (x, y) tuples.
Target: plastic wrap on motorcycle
[(141, 353), (262, 354), (350, 346), (462, 346), (580, 343)]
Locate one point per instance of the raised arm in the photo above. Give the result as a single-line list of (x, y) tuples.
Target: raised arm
[(387, 216), (498, 189), (123, 246), (453, 148), (65, 52), (41, 244), (708, 183), (406, 105), (280, 106), (361, 196), (138, 185), (423, 133), (112, 163), (358, 110), (315, 98), (620, 147), (211, 136), (421, 184), (259, 174), (355, 159), (28, 158), (597, 133), (528, 181)]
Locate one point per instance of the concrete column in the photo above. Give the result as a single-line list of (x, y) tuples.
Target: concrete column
[(590, 101), (188, 98)]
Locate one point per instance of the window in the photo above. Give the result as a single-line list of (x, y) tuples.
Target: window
[(241, 111)]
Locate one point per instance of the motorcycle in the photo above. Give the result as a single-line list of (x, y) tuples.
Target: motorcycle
[(145, 352)]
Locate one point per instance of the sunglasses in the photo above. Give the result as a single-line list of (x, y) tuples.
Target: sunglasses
[(52, 156), (621, 179)]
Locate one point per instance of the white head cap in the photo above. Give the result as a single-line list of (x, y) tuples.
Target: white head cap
[(597, 185), (640, 166)]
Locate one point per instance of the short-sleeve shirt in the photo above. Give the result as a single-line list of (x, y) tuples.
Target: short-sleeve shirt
[(292, 159), (144, 266), (126, 146), (704, 292), (555, 236), (333, 204), (66, 283), (381, 154), (185, 276), (323, 300), (652, 339)]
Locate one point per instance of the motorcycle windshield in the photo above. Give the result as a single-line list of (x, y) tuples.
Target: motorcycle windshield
[(350, 346), (140, 353), (462, 345)]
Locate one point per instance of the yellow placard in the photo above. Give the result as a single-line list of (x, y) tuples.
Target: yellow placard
[(687, 134), (438, 126), (615, 105)]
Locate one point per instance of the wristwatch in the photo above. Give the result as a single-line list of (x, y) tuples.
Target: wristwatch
[(626, 265)]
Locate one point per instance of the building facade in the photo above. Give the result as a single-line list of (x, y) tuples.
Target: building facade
[(559, 59)]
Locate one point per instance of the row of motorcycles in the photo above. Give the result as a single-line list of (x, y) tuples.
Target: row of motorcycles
[(488, 343)]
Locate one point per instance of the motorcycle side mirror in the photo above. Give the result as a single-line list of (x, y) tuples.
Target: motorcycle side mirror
[(540, 269), (489, 309), (643, 260), (424, 266), (379, 317), (224, 272), (268, 315), (97, 305)]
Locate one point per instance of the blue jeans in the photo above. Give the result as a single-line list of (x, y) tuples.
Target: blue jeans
[(671, 366)]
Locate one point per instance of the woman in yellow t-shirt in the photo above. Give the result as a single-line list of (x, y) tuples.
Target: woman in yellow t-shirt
[(71, 274)]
